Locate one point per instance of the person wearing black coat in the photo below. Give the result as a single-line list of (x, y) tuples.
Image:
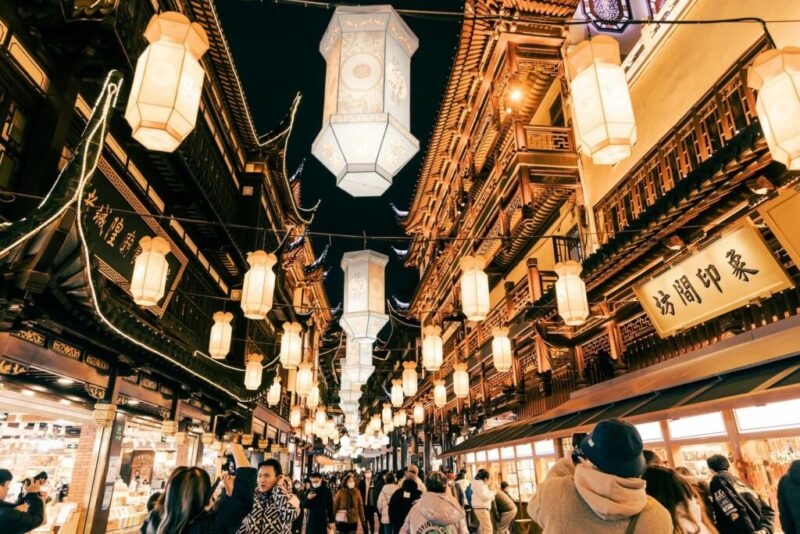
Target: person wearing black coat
[(737, 508), (401, 502), (789, 499), (24, 517), (318, 500)]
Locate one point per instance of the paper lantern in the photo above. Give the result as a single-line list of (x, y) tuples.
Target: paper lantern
[(461, 381), (364, 301), (345, 441), (253, 371), (365, 138), (296, 416), (312, 401), (432, 348), (303, 380), (501, 350), (375, 423), (219, 342), (397, 393), (259, 285), (388, 427), (291, 346), (439, 393), (419, 412), (308, 427), (409, 379), (168, 82), (149, 279), (605, 128), (330, 428), (357, 367), (474, 288), (775, 74), (400, 419), (386, 414), (319, 421), (573, 306), (274, 392)]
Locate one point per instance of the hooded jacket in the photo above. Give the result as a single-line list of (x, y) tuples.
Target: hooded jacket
[(383, 502), (434, 510), (596, 502), (789, 499), (401, 502)]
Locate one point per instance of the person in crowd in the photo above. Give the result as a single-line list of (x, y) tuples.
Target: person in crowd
[(675, 494), (482, 498), (318, 500), (348, 506), (435, 511), (506, 509), (275, 507), (651, 458), (413, 473), (380, 480), (605, 493), (366, 486), (152, 500), (737, 508), (22, 517), (185, 504), (298, 491), (451, 490), (387, 490), (700, 488), (462, 483), (401, 502), (789, 499)]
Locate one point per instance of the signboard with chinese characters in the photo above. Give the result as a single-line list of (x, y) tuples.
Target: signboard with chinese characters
[(735, 269), (115, 221)]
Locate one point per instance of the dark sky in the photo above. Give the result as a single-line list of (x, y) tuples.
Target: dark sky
[(276, 49)]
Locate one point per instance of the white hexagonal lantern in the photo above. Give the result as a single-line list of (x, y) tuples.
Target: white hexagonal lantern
[(365, 138), (364, 289)]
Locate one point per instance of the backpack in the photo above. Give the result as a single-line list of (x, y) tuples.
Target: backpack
[(432, 528)]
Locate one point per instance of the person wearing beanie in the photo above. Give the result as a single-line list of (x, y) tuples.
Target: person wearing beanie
[(737, 508), (606, 494)]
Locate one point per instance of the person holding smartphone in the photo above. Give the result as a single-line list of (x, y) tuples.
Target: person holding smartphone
[(275, 507), (24, 517)]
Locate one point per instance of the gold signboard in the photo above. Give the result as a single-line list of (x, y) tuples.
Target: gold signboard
[(735, 269), (781, 214)]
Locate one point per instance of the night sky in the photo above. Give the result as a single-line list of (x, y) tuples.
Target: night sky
[(276, 50)]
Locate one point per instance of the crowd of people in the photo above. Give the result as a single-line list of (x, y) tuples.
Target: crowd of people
[(610, 484)]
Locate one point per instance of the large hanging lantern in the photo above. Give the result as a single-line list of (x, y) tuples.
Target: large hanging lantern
[(419, 412), (386, 414), (432, 348), (501, 350), (291, 346), (296, 416), (400, 419), (259, 285), (775, 74), (312, 401), (439, 393), (149, 279), (409, 379), (168, 82), (461, 381), (573, 306), (605, 128), (364, 302), (219, 342), (474, 288), (365, 138), (397, 393), (274, 392), (253, 371), (304, 379), (357, 367)]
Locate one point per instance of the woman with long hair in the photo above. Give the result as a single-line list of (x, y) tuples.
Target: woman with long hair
[(348, 506), (675, 494)]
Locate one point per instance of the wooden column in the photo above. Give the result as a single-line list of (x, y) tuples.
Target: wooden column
[(534, 279), (616, 346)]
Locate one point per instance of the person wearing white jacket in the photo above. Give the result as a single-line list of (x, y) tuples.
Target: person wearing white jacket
[(482, 498), (435, 509), (389, 487)]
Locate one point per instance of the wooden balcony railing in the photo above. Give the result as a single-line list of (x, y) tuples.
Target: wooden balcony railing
[(548, 139)]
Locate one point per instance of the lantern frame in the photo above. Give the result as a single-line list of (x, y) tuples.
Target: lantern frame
[(219, 339), (258, 287)]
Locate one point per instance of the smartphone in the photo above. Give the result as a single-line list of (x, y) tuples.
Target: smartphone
[(229, 465)]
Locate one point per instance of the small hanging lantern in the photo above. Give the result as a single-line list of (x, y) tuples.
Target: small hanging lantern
[(291, 346), (365, 138), (419, 412), (461, 381), (375, 423), (432, 348), (303, 380), (312, 401), (439, 393), (308, 427), (397, 393), (501, 350), (364, 300), (296, 416), (409, 379), (219, 342), (386, 414), (259, 285), (388, 427), (274, 392), (253, 371), (149, 279), (605, 128), (400, 419), (319, 421), (474, 288), (775, 74), (168, 82), (573, 305), (330, 428)]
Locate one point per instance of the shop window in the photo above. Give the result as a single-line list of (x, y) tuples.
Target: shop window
[(710, 424), (480, 457), (471, 458), (493, 455), (650, 432), (507, 453), (544, 447), (524, 451), (12, 137), (772, 416)]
